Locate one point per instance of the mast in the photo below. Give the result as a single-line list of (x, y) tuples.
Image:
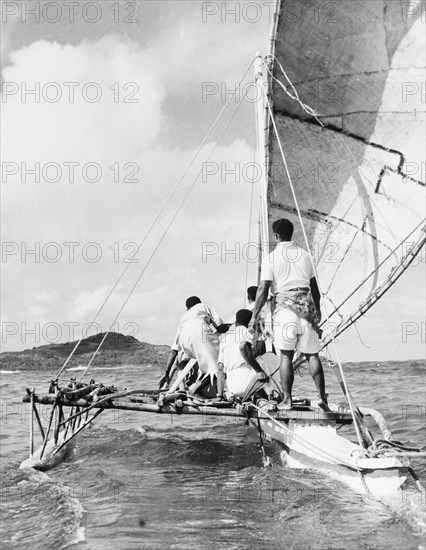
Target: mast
[(262, 129), (262, 124)]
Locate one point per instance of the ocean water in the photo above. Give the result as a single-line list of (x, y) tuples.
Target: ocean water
[(148, 481)]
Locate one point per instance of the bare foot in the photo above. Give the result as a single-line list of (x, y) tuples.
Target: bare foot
[(323, 405), (285, 405)]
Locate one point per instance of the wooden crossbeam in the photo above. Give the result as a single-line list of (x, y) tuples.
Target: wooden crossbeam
[(305, 414)]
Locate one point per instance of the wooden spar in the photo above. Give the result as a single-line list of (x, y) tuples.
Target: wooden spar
[(96, 404), (53, 402), (38, 421), (69, 423), (32, 423), (318, 415), (81, 392), (73, 417), (86, 423), (58, 418)]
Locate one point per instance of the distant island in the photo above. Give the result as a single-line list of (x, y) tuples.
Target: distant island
[(117, 349)]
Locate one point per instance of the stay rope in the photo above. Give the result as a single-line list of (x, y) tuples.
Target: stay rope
[(164, 234), (166, 202), (392, 252), (292, 95), (350, 402)]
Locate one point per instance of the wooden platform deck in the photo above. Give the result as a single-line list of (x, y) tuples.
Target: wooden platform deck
[(307, 414)]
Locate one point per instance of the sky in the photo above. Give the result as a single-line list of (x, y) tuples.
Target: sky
[(105, 105)]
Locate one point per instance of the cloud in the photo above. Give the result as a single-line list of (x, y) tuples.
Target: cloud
[(104, 133), (47, 217)]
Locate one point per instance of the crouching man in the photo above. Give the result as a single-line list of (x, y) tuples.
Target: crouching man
[(236, 363), (197, 338)]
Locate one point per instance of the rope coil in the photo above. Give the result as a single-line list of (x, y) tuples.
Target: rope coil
[(392, 448)]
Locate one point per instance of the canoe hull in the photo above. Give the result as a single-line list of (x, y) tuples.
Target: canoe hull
[(318, 446)]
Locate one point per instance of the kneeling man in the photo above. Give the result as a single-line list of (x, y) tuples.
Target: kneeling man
[(234, 355)]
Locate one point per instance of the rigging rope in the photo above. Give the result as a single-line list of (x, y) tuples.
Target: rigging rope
[(295, 95), (379, 292), (84, 334), (350, 401), (377, 268), (161, 239), (360, 338)]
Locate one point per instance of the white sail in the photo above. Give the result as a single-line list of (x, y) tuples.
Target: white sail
[(360, 179)]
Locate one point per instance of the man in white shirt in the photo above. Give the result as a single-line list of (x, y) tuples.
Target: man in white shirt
[(197, 338), (240, 376), (297, 308)]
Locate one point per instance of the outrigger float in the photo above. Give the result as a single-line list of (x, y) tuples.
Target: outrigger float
[(340, 172)]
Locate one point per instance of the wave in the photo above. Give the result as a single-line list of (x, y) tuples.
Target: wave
[(9, 371), (36, 498), (409, 504), (80, 367), (120, 367)]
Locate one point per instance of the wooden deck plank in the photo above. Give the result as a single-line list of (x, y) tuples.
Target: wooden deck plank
[(311, 415)]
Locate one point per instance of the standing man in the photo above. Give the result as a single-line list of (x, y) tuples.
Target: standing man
[(297, 308)]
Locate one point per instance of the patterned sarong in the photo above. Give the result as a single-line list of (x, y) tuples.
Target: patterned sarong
[(300, 302)]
